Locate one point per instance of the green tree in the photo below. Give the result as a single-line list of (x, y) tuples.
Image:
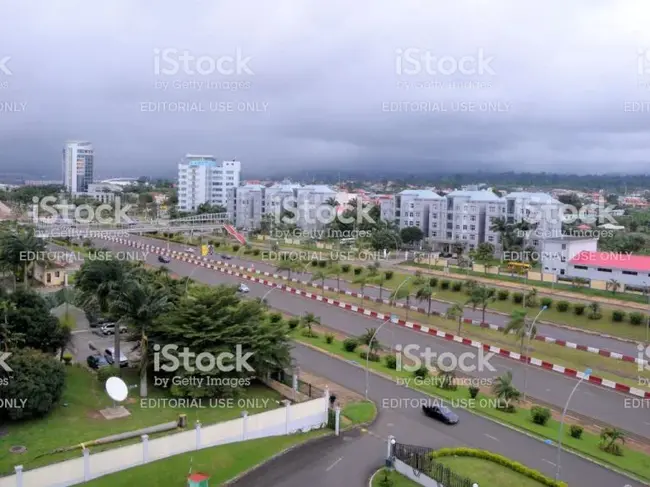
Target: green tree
[(425, 293), (613, 285), (484, 254), (519, 324), (20, 250), (456, 312), (609, 439), (505, 391), (410, 235), (481, 297), (308, 320), (319, 275)]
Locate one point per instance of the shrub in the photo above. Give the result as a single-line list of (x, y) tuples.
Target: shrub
[(391, 361), (217, 244), (456, 286), (67, 358), (422, 372), (45, 376), (579, 309), (350, 344), (548, 302), (618, 315), (370, 356), (275, 317), (345, 268), (503, 294), (105, 373), (562, 306), (636, 318), (433, 282), (256, 252), (309, 334), (389, 275), (314, 262), (235, 248), (576, 431), (329, 338), (358, 270), (293, 323), (322, 263), (517, 298), (595, 315), (540, 415), (473, 391), (445, 284)]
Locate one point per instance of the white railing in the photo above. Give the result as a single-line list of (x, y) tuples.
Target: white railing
[(283, 421)]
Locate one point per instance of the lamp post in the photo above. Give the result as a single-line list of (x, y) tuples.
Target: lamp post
[(585, 375), (391, 318), (529, 332), (266, 294), (396, 292), (187, 280)]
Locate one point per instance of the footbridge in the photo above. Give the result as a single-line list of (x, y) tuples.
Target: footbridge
[(196, 223)]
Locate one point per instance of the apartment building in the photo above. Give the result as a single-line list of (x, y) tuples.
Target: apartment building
[(539, 209), (312, 206), (246, 206), (413, 206), (201, 179), (78, 163)]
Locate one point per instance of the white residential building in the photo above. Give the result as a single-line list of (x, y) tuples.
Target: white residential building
[(313, 211), (245, 206), (557, 252), (103, 192), (78, 162), (539, 208), (412, 208), (201, 179)]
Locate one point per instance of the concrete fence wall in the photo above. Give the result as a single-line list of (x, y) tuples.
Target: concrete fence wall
[(418, 478), (282, 421)]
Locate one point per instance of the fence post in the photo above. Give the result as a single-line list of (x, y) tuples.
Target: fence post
[(197, 428), (244, 425), (337, 420), (287, 405), (327, 402), (86, 452), (19, 475), (145, 448), (389, 451)]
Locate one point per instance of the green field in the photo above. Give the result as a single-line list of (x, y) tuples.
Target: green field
[(488, 474), (397, 479)]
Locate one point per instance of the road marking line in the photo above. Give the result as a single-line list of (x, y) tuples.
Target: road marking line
[(548, 461), (333, 465), (491, 437)]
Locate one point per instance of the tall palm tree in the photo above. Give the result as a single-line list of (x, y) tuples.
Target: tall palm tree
[(139, 304), (362, 281), (481, 297), (425, 293), (319, 275), (21, 248), (613, 285), (505, 391), (519, 325), (308, 320), (336, 270), (455, 312), (286, 265)]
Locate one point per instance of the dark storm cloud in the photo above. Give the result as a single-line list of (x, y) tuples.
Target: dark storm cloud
[(557, 95)]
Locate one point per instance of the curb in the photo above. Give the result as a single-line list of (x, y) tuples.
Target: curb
[(205, 262), (240, 476), (372, 477)]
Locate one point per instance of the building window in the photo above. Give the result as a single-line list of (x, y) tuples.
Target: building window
[(464, 227), (58, 274), (562, 272), (472, 218), (563, 246), (631, 273), (434, 234), (490, 238), (48, 277), (602, 269), (581, 267), (434, 216), (472, 227), (492, 208)]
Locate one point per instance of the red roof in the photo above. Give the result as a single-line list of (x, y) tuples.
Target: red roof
[(613, 260), (198, 477)]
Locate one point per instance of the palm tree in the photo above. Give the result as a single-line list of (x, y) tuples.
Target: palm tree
[(505, 391), (381, 281), (519, 325), (594, 310), (7, 338), (319, 275), (613, 285), (530, 299), (308, 320), (139, 304), (362, 281), (608, 439), (336, 270), (455, 312), (286, 265), (373, 269), (18, 246), (425, 293), (332, 202), (367, 339), (481, 297)]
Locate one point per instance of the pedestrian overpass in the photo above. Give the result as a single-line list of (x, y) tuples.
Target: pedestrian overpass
[(197, 223)]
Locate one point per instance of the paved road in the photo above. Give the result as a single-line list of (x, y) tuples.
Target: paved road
[(559, 333), (604, 405)]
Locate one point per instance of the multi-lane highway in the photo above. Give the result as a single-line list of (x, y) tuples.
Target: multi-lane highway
[(556, 332), (590, 400)]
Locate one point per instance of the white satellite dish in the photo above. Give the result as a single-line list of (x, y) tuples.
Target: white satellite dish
[(116, 389)]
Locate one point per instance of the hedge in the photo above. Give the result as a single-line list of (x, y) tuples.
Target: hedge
[(518, 298), (618, 315), (636, 318), (503, 294), (562, 306), (499, 460)]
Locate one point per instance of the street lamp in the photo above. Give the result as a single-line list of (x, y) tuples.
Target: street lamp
[(529, 332), (391, 318), (585, 375), (266, 294), (395, 293), (187, 281)]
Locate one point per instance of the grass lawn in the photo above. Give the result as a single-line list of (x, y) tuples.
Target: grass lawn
[(398, 479), (489, 474), (222, 463), (632, 461), (360, 412), (76, 419)]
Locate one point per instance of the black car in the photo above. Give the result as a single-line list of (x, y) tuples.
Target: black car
[(441, 413), (226, 257), (97, 362), (164, 259)]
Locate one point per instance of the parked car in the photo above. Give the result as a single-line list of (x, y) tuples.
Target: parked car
[(189, 250), (109, 355), (243, 288), (164, 259), (441, 413), (109, 329), (226, 257), (97, 362), (99, 322)]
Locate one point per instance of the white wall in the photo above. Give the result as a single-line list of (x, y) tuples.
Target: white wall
[(421, 479), (292, 418)]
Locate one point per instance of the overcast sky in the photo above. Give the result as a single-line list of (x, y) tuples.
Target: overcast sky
[(553, 84)]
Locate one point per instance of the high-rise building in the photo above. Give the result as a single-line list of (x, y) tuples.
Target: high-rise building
[(78, 165), (201, 179)]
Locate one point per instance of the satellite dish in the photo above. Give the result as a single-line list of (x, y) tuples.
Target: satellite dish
[(116, 389)]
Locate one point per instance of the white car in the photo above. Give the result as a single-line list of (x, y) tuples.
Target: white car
[(243, 288), (189, 250)]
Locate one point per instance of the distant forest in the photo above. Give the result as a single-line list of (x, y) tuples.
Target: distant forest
[(619, 183)]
